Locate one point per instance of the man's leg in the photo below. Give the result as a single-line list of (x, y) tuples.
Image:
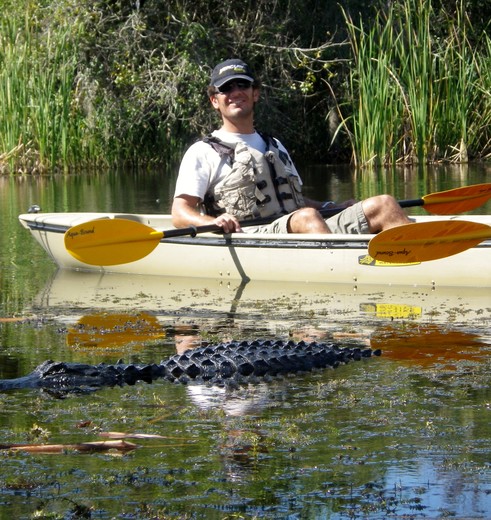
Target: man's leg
[(307, 220), (383, 212), (369, 216)]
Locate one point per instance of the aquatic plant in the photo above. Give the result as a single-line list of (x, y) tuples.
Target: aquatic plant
[(39, 125), (96, 83), (417, 95)]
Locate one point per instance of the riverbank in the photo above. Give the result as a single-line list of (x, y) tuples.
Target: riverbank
[(105, 85)]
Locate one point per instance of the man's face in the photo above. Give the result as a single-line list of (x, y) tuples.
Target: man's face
[(235, 99)]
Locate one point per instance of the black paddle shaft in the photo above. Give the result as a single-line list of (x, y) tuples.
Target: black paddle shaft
[(261, 221), (411, 203)]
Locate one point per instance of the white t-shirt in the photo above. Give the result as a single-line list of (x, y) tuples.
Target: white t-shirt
[(202, 167)]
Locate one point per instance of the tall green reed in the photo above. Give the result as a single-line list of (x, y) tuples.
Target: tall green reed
[(417, 97), (479, 128), (51, 89), (413, 53), (14, 68), (39, 125), (377, 108)]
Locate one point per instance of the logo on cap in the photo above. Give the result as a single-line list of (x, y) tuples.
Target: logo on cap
[(236, 68)]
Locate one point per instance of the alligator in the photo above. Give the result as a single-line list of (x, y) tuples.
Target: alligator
[(225, 364)]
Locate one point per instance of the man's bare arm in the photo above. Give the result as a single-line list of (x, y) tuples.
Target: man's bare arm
[(185, 213)]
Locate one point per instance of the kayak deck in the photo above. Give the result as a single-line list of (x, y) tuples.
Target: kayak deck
[(253, 256)]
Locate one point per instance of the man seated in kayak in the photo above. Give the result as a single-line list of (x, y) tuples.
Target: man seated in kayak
[(238, 174)]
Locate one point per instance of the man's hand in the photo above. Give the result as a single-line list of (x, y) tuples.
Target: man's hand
[(228, 223), (185, 213)]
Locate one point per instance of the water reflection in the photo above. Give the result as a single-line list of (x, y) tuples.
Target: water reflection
[(106, 314), (110, 331), (177, 301), (249, 400), (401, 427), (429, 344), (343, 182)]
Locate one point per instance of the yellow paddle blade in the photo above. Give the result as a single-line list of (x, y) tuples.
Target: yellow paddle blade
[(427, 241), (111, 241), (458, 200)]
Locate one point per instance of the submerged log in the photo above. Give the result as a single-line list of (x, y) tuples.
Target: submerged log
[(83, 447)]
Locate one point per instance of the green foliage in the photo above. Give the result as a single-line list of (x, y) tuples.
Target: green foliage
[(416, 97), (91, 82), (38, 122), (377, 112)]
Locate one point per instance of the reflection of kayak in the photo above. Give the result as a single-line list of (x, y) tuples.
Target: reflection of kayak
[(80, 293), (417, 325), (291, 258)]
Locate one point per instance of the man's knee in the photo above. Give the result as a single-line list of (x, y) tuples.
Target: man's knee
[(307, 220), (383, 212), (384, 201), (379, 205)]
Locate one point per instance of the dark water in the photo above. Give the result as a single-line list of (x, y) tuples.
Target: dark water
[(406, 435)]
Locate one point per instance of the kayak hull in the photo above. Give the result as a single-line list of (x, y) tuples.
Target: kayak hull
[(277, 258)]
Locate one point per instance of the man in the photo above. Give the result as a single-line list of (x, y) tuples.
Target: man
[(238, 174)]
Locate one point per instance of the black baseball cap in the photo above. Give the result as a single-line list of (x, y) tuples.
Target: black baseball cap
[(229, 70)]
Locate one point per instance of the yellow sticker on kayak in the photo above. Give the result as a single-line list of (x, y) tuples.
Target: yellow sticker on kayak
[(391, 310), (368, 260)]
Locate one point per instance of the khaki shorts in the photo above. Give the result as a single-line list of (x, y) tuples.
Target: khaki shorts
[(350, 221)]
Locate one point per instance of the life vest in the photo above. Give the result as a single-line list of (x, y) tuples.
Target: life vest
[(258, 185)]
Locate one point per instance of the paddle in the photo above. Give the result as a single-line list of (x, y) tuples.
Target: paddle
[(426, 241), (94, 242), (451, 202)]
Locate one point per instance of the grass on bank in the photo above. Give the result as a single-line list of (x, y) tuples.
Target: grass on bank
[(416, 91), (39, 128), (416, 97)]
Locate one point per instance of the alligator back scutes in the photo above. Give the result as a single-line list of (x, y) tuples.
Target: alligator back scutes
[(246, 361), (228, 363)]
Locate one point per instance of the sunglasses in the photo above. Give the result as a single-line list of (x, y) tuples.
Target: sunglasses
[(241, 84)]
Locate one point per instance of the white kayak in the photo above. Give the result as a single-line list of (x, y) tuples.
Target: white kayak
[(340, 259)]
